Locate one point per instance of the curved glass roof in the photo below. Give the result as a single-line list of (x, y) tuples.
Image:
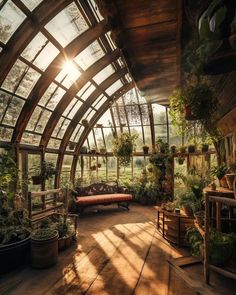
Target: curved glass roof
[(60, 67)]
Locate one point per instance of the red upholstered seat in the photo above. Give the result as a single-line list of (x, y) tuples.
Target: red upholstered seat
[(102, 199)]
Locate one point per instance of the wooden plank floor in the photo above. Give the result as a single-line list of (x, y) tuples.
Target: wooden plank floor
[(117, 252)]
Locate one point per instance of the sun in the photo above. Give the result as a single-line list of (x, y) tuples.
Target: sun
[(71, 70)]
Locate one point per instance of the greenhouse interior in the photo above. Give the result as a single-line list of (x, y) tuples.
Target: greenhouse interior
[(118, 147)]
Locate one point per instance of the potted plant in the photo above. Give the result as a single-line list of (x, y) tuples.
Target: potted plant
[(14, 235), (45, 172), (44, 247), (231, 174), (181, 160), (103, 150), (83, 150), (162, 146), (99, 165), (72, 145), (173, 149), (205, 147), (93, 167), (93, 150), (145, 149), (185, 201), (85, 122), (183, 149), (66, 232), (191, 148), (123, 146), (219, 172)]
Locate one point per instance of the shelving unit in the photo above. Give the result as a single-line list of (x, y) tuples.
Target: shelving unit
[(218, 200)]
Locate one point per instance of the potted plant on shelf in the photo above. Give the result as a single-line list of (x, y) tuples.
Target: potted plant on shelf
[(44, 247), (123, 146), (219, 172), (181, 160), (191, 148), (145, 149), (231, 173), (45, 172), (83, 150), (173, 149), (103, 150), (183, 149)]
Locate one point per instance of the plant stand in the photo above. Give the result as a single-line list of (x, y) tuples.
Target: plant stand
[(173, 226)]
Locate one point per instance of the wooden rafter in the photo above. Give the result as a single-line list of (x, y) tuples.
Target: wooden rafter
[(26, 32), (71, 51), (94, 120), (69, 95)]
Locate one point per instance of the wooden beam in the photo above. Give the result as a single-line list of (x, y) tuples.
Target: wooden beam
[(69, 95), (71, 51), (27, 31)]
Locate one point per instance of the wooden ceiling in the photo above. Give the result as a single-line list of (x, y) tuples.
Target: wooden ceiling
[(148, 33)]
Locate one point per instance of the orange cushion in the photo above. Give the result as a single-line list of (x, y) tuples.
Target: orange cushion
[(102, 199)]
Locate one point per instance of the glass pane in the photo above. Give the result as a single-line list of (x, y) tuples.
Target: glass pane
[(161, 132), (174, 139), (31, 4), (5, 133), (89, 55), (99, 101), (105, 119), (53, 159), (10, 19), (29, 138), (52, 96), (77, 135), (34, 118), (108, 138), (133, 114), (67, 25), (28, 82), (114, 87), (139, 140), (36, 45), (70, 106), (5, 98), (159, 114), (14, 76), (66, 166), (125, 173), (112, 168), (69, 74), (103, 74), (46, 56), (147, 135), (88, 92), (13, 111), (145, 114), (54, 143), (139, 163), (60, 128)]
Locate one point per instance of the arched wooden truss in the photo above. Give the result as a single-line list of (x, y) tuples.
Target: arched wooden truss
[(98, 29)]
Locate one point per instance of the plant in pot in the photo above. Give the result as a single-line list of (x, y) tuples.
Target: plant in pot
[(219, 172), (145, 149), (173, 149), (14, 235), (191, 148), (183, 149), (181, 160), (231, 173), (72, 145), (162, 146), (123, 146), (185, 201), (44, 247), (66, 232), (83, 150)]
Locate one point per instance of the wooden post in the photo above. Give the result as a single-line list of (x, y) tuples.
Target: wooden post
[(29, 206), (218, 216), (206, 241)]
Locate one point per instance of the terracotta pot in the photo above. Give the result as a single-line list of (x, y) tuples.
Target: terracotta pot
[(230, 179), (223, 182)]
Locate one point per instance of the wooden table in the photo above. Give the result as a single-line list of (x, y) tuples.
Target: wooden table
[(173, 225)]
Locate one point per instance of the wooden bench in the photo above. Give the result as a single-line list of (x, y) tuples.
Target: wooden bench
[(101, 194)]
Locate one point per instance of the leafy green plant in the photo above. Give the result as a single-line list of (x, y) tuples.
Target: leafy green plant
[(8, 172), (44, 234), (123, 146), (194, 238), (13, 223), (219, 171)]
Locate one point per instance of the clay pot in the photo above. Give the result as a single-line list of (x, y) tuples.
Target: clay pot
[(145, 150), (230, 179), (223, 182)]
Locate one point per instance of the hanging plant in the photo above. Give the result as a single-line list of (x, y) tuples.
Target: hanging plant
[(123, 146)]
